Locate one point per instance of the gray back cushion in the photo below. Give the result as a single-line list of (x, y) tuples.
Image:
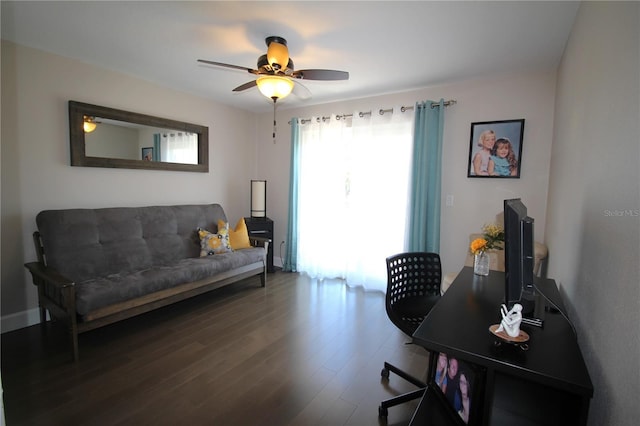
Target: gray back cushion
[(90, 243)]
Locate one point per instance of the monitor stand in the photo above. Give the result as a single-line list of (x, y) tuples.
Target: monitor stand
[(533, 308)]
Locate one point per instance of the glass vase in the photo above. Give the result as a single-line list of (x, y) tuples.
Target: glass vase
[(481, 264)]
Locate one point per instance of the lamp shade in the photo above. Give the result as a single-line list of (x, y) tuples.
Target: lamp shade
[(258, 198), (277, 55), (273, 86)]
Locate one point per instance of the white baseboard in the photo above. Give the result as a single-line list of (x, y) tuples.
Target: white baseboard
[(20, 320)]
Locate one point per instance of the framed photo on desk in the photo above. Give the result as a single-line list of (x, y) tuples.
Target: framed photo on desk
[(459, 386)]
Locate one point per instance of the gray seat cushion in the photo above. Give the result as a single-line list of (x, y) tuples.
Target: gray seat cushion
[(100, 292)]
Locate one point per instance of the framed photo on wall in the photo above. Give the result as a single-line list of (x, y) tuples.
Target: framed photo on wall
[(147, 153), (495, 149), (459, 387)]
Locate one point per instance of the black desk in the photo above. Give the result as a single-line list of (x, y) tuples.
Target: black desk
[(548, 384)]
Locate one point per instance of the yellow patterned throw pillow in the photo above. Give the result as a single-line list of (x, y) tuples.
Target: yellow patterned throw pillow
[(214, 243), (238, 237)]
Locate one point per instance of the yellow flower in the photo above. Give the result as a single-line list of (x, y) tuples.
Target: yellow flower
[(492, 239), (494, 235), (494, 231), (478, 245)]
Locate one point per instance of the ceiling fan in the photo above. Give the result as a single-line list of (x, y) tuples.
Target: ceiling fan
[(276, 73)]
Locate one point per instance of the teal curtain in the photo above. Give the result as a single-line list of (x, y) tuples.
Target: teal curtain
[(157, 155), (290, 261), (426, 171)]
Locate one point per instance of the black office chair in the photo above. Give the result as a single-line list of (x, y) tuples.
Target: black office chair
[(413, 288)]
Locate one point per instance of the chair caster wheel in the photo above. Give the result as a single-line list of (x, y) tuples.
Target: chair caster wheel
[(383, 412), (385, 373)]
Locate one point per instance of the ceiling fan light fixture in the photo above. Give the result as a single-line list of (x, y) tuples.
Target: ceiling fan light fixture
[(273, 86), (275, 73), (278, 55), (89, 124)]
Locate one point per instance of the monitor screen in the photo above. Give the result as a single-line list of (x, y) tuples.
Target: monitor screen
[(518, 251)]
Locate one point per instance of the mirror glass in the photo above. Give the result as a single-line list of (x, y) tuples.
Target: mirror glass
[(125, 139)]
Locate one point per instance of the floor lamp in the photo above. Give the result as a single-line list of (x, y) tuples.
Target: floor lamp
[(259, 198)]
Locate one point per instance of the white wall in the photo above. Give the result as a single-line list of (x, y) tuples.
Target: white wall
[(36, 175), (593, 219), (476, 201)]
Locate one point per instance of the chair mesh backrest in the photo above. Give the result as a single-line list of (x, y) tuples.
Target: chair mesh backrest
[(412, 277)]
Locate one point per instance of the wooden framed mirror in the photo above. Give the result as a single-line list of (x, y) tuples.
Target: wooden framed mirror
[(121, 139)]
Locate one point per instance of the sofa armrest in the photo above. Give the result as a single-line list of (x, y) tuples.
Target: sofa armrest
[(55, 292), (259, 241), (39, 272)]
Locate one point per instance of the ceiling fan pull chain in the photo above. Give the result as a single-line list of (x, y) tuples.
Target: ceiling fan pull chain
[(274, 119)]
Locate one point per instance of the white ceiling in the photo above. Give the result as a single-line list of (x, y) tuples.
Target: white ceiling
[(386, 47)]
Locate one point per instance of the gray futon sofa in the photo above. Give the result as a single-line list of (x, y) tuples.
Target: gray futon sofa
[(98, 266)]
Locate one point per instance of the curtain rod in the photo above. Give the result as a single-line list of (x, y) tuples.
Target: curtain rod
[(381, 111)]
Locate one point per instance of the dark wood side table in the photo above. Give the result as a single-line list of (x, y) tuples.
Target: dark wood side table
[(262, 227)]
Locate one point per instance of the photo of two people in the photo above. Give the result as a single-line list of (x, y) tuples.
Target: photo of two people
[(455, 379), (496, 149)]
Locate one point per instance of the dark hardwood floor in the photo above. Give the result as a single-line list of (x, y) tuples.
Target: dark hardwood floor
[(298, 352)]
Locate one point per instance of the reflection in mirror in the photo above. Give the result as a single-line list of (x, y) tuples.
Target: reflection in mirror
[(118, 139), (129, 140)]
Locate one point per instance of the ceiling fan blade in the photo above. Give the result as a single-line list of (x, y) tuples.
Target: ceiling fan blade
[(247, 85), (321, 75), (301, 91), (236, 67)]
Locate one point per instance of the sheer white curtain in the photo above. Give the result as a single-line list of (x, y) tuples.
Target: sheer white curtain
[(179, 147), (353, 196)]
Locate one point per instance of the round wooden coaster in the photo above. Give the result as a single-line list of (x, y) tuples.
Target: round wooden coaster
[(520, 338)]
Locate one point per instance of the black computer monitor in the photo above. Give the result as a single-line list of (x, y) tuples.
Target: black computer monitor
[(518, 255)]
